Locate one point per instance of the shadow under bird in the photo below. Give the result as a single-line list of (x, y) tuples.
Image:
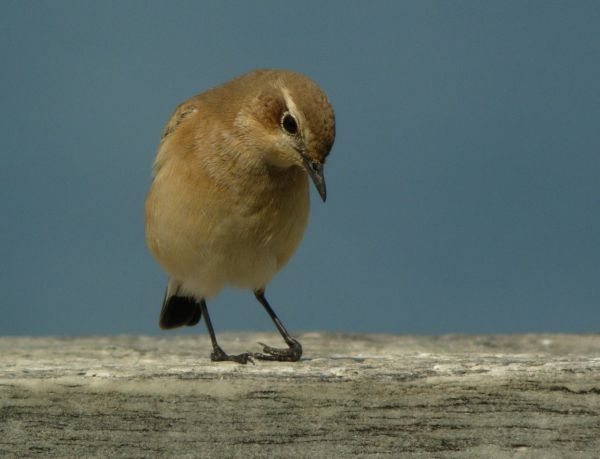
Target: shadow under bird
[(229, 199)]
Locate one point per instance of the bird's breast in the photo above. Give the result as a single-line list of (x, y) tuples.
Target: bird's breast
[(271, 215), (256, 234), (208, 235)]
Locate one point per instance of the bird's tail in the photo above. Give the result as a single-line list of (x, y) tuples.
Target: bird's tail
[(178, 311)]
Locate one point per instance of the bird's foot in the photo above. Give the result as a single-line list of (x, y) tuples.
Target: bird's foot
[(291, 354), (218, 355)]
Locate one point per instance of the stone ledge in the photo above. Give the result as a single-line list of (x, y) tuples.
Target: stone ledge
[(385, 395)]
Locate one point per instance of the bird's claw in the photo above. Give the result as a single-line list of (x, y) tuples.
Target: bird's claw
[(218, 355), (291, 354)]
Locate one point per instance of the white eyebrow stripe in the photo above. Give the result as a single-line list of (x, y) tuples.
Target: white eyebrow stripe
[(293, 109), (291, 105)]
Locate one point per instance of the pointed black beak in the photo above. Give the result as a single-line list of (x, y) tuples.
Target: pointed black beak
[(315, 170)]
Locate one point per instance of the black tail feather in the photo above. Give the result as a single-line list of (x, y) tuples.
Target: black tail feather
[(196, 317), (178, 311)]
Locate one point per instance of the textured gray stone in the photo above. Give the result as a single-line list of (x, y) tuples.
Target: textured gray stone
[(363, 395)]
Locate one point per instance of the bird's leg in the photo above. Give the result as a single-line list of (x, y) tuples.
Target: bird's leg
[(218, 354), (292, 353)]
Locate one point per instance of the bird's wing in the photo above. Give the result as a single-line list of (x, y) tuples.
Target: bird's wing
[(182, 111)]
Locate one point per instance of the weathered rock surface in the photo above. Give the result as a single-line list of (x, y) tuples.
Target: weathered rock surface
[(365, 395)]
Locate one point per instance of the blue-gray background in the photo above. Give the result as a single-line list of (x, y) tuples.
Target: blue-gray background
[(464, 182)]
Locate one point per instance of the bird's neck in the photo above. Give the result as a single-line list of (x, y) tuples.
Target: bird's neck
[(249, 171)]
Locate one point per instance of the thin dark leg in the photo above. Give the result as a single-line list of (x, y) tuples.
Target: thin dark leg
[(293, 352), (218, 354)]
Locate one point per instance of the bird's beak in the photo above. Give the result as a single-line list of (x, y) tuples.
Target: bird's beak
[(315, 170)]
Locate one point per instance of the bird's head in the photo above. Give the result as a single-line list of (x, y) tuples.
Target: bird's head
[(289, 121)]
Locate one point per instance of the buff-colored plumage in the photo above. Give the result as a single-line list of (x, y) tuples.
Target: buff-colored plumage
[(229, 200)]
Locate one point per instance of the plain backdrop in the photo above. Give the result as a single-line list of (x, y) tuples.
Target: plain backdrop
[(464, 183)]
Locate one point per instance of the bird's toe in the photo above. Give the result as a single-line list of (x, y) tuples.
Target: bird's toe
[(290, 354)]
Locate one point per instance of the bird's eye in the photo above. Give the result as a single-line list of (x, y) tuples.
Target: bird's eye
[(288, 122)]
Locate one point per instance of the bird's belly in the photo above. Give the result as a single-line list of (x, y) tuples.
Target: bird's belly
[(242, 255), (233, 245)]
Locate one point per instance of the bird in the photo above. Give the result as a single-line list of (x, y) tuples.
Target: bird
[(229, 199)]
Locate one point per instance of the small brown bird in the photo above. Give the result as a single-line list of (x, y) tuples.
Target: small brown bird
[(229, 201)]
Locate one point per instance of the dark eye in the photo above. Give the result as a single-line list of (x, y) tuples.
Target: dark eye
[(288, 122)]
